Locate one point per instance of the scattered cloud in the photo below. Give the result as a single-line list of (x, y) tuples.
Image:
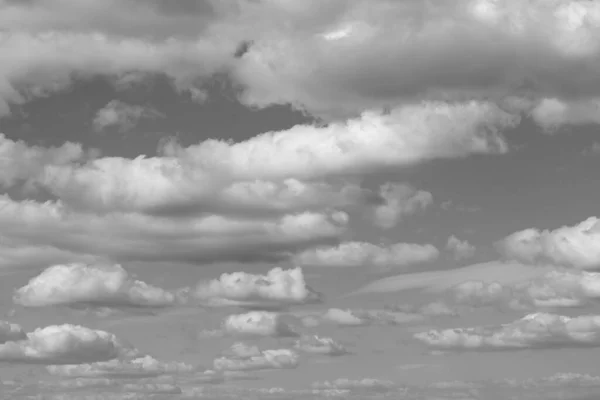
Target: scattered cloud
[(122, 116), (258, 323), (250, 358), (359, 317), (538, 330), (399, 200), (574, 246), (64, 344), (320, 345), (461, 249), (362, 254), (99, 285), (278, 288)]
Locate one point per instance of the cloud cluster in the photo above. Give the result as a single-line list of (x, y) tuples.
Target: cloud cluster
[(360, 317), (249, 358), (278, 288), (98, 285), (362, 254), (122, 116), (574, 246), (258, 323), (399, 200), (461, 249), (538, 330), (320, 345), (64, 344)]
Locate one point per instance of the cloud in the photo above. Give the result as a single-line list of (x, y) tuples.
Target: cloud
[(362, 385), (399, 200), (142, 367), (362, 254), (554, 289), (320, 345), (258, 323), (535, 48), (90, 285), (360, 317), (553, 113), (134, 237), (247, 358), (122, 116), (461, 249), (278, 288), (538, 330), (64, 344), (11, 332), (574, 246)]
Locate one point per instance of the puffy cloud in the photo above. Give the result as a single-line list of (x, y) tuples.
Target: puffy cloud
[(122, 116), (366, 385), (539, 330), (399, 200), (65, 344), (362, 254), (20, 162), (575, 246), (461, 249), (320, 345), (278, 288), (142, 367), (11, 332), (359, 317), (130, 236), (258, 323), (555, 289), (247, 358), (553, 113), (90, 285), (527, 47)]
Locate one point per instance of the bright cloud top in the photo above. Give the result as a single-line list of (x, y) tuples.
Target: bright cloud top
[(258, 323), (277, 288), (64, 344), (90, 285), (539, 330), (248, 358)]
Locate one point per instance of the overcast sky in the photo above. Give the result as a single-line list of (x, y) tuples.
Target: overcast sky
[(299, 199)]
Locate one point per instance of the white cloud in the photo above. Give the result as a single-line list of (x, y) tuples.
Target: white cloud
[(258, 323), (65, 344), (539, 330), (90, 285), (247, 358), (399, 200), (135, 237), (461, 249), (278, 288), (527, 47), (11, 332), (574, 246), (142, 367), (360, 317), (320, 345), (363, 385), (553, 113), (362, 254), (122, 116)]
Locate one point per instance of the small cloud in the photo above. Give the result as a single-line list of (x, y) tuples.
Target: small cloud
[(122, 116), (320, 345), (399, 200), (366, 385), (461, 249), (358, 317), (90, 285), (258, 323), (250, 358)]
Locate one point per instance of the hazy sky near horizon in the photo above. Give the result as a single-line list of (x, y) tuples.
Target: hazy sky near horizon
[(295, 199)]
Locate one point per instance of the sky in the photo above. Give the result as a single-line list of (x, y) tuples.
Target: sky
[(286, 199)]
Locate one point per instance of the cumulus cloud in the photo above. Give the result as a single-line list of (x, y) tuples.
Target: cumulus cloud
[(99, 285), (399, 200), (360, 317), (142, 367), (320, 345), (362, 254), (258, 323), (278, 288), (11, 332), (574, 246), (247, 358), (461, 249), (538, 330), (363, 385), (553, 113), (122, 116), (64, 344)]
